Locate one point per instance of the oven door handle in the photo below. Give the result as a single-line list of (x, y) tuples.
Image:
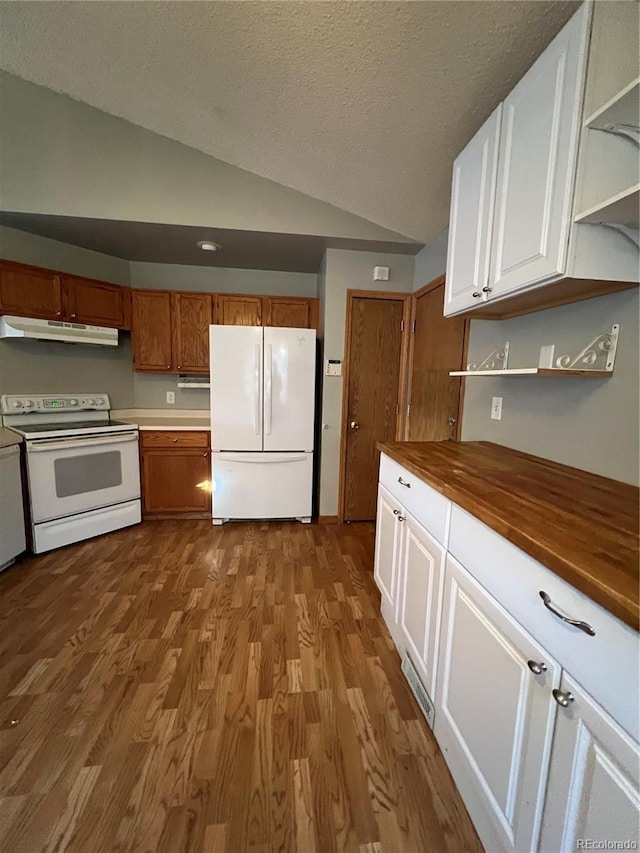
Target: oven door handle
[(76, 443)]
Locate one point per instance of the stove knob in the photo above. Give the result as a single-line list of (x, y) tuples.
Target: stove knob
[(17, 404), (73, 402), (28, 404)]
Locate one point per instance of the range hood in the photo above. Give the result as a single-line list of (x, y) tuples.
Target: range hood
[(57, 330)]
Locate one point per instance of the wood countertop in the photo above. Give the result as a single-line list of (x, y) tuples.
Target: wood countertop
[(581, 526)]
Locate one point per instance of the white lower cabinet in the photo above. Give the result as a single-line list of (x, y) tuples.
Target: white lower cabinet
[(385, 569), (593, 778), (494, 715)]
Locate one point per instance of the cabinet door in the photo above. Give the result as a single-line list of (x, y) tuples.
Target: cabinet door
[(538, 154), (471, 217), (291, 312), (388, 529), (192, 316), (94, 302), (151, 330), (176, 481), (239, 310), (419, 593), (29, 292), (494, 717), (593, 778)]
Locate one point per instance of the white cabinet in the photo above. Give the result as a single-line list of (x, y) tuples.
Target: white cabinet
[(537, 162), (593, 778), (421, 569), (494, 715), (385, 569), (472, 204)]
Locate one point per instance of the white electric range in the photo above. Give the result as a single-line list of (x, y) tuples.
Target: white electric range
[(82, 467)]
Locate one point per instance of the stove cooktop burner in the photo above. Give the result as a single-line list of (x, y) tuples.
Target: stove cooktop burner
[(70, 426)]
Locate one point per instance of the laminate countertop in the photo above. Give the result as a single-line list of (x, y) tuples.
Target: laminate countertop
[(164, 419), (9, 438), (581, 526)]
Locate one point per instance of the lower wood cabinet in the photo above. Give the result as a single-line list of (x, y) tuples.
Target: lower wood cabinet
[(494, 715), (176, 473)]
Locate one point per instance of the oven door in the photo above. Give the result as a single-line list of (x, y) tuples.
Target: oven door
[(71, 475)]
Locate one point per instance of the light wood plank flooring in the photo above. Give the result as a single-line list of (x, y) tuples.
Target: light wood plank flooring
[(179, 687)]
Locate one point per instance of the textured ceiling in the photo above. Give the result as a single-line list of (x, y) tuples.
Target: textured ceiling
[(360, 104)]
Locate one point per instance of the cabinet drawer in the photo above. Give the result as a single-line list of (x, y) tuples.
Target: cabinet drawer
[(426, 505), (605, 664), (174, 439)]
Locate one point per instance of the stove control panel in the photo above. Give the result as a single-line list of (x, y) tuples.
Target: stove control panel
[(22, 404)]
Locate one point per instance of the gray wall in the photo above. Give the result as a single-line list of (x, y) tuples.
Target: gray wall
[(150, 390), (431, 262), (588, 423), (37, 367), (63, 157), (344, 271)]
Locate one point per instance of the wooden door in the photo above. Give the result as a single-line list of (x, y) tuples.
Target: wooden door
[(176, 481), (593, 778), (239, 310), (388, 530), (471, 218), (287, 311), (438, 345), (191, 318), (151, 331), (538, 153), (375, 354), (93, 302), (30, 292), (421, 573), (494, 716)]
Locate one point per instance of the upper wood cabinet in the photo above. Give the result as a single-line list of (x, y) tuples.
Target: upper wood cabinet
[(235, 310), (93, 302), (517, 242), (288, 311), (30, 292), (192, 314), (151, 330)]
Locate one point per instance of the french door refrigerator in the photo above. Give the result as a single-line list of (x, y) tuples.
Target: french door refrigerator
[(262, 421)]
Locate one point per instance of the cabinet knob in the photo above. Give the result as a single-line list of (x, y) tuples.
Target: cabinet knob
[(396, 512), (58, 313), (563, 698), (168, 367), (536, 668), (179, 367), (476, 294), (402, 518), (73, 316), (487, 289), (174, 440)]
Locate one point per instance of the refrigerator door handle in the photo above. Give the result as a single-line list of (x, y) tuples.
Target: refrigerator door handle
[(257, 426), (268, 371)]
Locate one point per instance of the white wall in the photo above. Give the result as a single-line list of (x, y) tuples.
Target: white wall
[(431, 261), (346, 270)]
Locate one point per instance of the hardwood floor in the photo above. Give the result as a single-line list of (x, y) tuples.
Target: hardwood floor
[(179, 687)]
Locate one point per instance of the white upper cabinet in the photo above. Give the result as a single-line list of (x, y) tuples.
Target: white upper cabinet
[(537, 161), (472, 202)]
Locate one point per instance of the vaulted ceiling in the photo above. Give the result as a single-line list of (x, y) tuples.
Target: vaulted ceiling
[(360, 104)]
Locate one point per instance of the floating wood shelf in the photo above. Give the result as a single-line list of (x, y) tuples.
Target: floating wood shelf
[(621, 110), (620, 209), (534, 371)]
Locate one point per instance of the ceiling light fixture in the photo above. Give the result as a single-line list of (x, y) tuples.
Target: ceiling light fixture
[(208, 246)]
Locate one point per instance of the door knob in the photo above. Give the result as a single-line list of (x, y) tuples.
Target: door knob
[(451, 421), (354, 425)]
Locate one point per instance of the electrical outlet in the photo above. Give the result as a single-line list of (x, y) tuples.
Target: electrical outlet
[(171, 396), (496, 408)]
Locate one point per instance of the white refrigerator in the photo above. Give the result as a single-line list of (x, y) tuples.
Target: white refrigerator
[(262, 421)]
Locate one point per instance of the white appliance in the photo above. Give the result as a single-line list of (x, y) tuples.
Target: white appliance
[(12, 537), (262, 421), (83, 474), (28, 328)]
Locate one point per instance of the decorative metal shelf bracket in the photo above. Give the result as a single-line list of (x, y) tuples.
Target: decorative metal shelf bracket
[(497, 360), (600, 354)]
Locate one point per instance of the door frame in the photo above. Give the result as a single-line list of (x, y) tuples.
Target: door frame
[(352, 295), (427, 288)]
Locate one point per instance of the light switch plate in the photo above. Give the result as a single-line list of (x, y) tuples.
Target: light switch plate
[(171, 396), (496, 408)]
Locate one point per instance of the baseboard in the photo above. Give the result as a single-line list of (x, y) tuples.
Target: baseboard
[(327, 519)]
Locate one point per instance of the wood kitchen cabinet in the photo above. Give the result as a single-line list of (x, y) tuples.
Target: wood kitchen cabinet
[(233, 310), (94, 302), (176, 473), (192, 314), (290, 311), (30, 292), (151, 331)]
